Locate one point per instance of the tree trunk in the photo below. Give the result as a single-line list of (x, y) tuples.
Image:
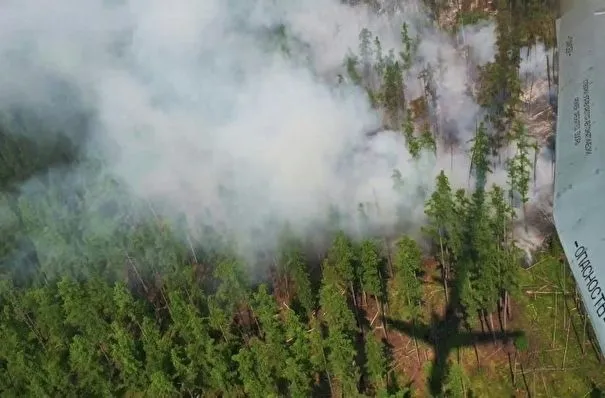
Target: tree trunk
[(382, 307), (481, 321), (548, 71), (554, 328), (359, 324), (485, 319), (136, 270), (384, 320), (525, 216), (323, 353), (500, 307), (584, 333), (389, 259), (416, 341), (535, 165), (443, 269), (491, 324), (30, 323), (476, 351), (515, 366), (508, 310), (525, 381), (512, 370), (192, 249), (504, 316), (287, 284)]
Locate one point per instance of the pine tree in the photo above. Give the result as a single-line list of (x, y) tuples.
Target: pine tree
[(341, 258), (376, 365), (406, 288), (477, 264), (366, 54), (457, 382), (255, 370), (442, 225), (351, 64), (507, 253), (407, 263), (408, 47), (371, 276), (414, 145), (500, 84), (317, 349), (480, 157), (519, 166), (232, 293), (340, 323), (89, 309), (392, 89), (379, 61), (190, 357), (427, 140), (271, 330), (299, 364)]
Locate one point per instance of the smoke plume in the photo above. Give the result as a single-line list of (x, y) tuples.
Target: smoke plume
[(195, 110)]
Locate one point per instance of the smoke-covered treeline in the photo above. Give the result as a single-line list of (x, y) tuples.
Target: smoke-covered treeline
[(230, 126), (194, 329), (160, 161)]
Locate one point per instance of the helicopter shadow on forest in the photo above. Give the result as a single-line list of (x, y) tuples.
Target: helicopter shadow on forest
[(444, 334)]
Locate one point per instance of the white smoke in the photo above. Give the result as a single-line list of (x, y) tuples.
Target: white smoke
[(195, 114), (533, 62), (481, 40)]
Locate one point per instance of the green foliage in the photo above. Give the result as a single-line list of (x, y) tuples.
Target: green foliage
[(392, 88), (427, 140), (507, 255), (300, 276), (521, 343), (407, 262), (518, 25), (410, 46), (520, 166), (480, 156), (457, 382), (376, 365), (256, 370), (299, 364), (471, 17), (444, 225), (477, 263), (336, 312), (340, 322), (413, 143), (371, 264), (341, 258), (351, 63)]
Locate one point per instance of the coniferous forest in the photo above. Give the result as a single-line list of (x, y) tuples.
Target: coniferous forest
[(142, 310)]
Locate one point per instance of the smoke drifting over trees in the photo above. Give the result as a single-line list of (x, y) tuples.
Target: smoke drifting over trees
[(195, 109)]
